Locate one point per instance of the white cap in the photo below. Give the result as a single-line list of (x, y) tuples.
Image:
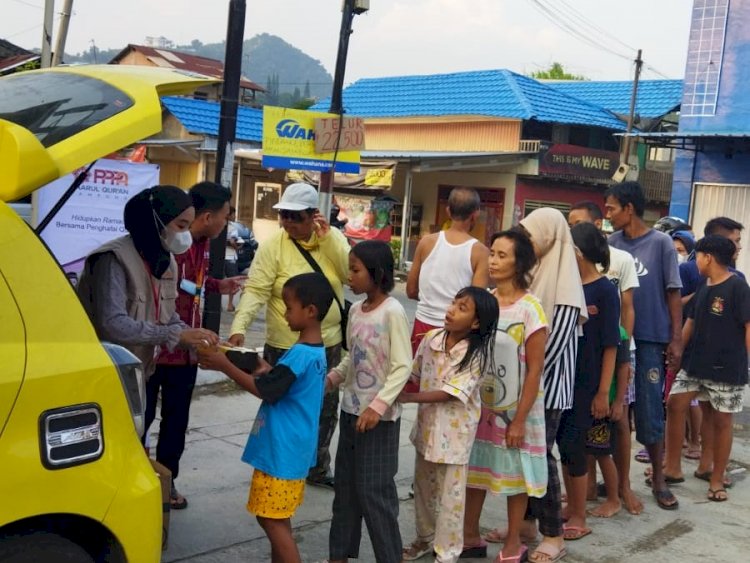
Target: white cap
[(298, 197)]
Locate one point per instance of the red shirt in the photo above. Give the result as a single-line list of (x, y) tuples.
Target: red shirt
[(193, 266)]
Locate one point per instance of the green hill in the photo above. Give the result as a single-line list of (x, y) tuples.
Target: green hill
[(268, 60)]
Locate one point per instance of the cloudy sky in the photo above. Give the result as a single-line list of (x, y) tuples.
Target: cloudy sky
[(399, 37)]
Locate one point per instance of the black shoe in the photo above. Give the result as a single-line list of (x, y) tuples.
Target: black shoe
[(325, 482)]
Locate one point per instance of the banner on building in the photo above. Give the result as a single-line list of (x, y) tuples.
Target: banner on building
[(94, 213), (289, 142), (572, 160), (367, 218), (376, 175)]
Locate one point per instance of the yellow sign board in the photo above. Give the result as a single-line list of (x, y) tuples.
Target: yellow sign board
[(289, 142)]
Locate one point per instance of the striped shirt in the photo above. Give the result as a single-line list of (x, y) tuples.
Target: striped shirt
[(560, 358)]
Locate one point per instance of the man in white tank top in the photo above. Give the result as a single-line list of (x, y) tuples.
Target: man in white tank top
[(446, 262)]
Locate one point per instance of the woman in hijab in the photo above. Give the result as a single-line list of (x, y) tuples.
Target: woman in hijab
[(557, 284), (129, 285)]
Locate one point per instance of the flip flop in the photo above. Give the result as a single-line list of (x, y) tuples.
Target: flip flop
[(706, 476), (551, 551), (577, 531), (663, 498), (499, 536), (668, 479), (176, 500), (416, 550), (520, 557), (713, 495), (643, 457), (693, 453), (479, 551)]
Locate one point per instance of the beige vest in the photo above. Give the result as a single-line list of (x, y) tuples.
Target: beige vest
[(139, 300)]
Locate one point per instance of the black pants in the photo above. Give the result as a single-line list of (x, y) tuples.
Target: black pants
[(176, 384), (366, 465)]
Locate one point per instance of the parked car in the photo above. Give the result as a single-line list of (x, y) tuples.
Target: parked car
[(76, 483)]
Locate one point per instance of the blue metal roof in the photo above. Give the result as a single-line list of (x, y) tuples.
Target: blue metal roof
[(202, 117), (655, 97), (493, 93)]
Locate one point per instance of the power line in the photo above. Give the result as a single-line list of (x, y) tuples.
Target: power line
[(29, 4), (32, 28), (578, 26), (595, 26)]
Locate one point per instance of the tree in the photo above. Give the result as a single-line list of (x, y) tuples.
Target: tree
[(556, 72), (307, 90)]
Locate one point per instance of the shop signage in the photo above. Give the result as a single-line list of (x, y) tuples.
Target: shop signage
[(289, 142), (348, 133), (572, 160), (372, 175)]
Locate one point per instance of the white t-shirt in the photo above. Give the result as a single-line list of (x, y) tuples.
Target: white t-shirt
[(622, 269), (622, 273)]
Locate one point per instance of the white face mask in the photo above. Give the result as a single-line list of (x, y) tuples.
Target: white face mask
[(681, 258), (176, 243), (171, 241)]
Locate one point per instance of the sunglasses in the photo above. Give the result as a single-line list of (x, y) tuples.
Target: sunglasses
[(293, 216)]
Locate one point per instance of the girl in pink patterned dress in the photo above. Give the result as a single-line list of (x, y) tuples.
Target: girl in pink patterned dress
[(448, 367)]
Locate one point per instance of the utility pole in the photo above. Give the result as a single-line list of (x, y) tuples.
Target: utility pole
[(49, 11), (350, 9), (224, 152), (625, 156), (62, 33)]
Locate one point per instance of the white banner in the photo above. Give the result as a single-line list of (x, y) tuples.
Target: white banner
[(94, 213)]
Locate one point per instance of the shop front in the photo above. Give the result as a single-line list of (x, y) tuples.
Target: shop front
[(567, 175)]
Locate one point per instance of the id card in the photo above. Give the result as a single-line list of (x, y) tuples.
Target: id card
[(190, 287)]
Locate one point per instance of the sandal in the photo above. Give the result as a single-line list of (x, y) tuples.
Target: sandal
[(416, 550), (663, 498), (520, 557), (643, 457), (479, 550), (717, 495), (668, 479), (176, 500), (693, 453), (573, 533), (547, 552), (706, 476)]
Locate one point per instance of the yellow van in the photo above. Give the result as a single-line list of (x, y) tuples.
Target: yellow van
[(75, 485)]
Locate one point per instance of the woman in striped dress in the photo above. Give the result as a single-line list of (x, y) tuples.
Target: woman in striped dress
[(557, 284)]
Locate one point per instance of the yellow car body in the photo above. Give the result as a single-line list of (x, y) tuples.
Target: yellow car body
[(73, 465)]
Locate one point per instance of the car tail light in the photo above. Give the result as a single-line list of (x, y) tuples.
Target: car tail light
[(71, 436), (133, 381)]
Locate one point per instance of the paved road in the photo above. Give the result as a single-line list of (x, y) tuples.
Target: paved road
[(217, 529)]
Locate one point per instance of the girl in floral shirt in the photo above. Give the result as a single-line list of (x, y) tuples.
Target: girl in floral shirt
[(448, 368)]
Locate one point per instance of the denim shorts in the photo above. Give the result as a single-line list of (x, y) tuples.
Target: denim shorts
[(649, 391)]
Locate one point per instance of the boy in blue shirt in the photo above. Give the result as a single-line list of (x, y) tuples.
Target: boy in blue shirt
[(282, 444)]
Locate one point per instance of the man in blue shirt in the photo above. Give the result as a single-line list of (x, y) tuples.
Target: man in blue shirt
[(658, 320)]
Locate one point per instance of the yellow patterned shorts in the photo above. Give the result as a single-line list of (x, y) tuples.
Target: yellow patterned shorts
[(271, 497)]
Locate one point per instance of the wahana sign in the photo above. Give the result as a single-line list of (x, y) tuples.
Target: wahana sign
[(572, 160)]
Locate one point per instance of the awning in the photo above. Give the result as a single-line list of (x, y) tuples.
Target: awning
[(695, 141), (430, 161)]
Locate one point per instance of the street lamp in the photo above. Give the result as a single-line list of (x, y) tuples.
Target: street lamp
[(349, 9)]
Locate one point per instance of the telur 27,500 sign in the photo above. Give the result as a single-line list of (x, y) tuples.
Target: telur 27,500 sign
[(289, 142)]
